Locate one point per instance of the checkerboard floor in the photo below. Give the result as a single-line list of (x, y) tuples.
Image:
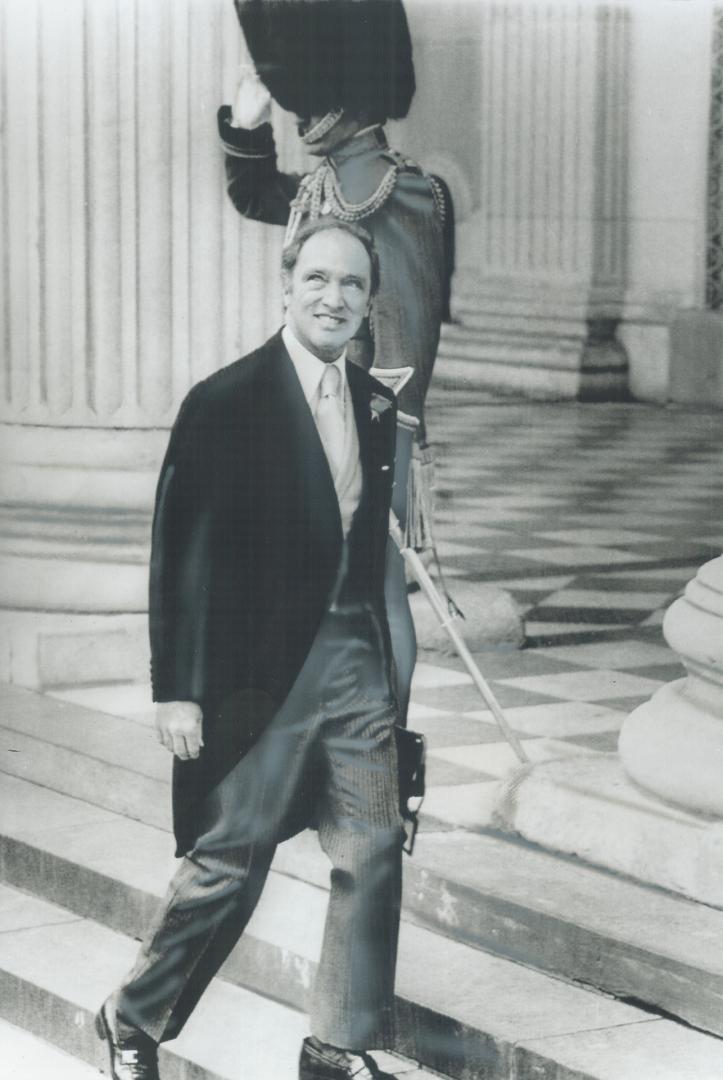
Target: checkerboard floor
[(594, 517)]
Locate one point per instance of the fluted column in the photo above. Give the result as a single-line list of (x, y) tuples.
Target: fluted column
[(673, 744), (542, 263), (125, 276)]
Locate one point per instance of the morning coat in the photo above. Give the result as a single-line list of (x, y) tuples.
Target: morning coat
[(246, 545)]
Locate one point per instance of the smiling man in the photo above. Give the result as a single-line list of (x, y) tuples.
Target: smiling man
[(270, 664), (328, 283)]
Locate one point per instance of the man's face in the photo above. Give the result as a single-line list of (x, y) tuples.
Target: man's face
[(327, 293)]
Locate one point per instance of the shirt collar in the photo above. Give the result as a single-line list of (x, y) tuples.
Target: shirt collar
[(308, 367)]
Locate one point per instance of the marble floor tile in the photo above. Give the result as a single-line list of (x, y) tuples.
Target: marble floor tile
[(499, 759), (468, 806), (593, 685), (559, 719), (430, 676), (542, 584), (577, 556), (535, 628), (612, 654), (606, 600), (600, 537)]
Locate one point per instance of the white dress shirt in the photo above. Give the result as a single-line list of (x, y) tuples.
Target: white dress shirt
[(310, 368)]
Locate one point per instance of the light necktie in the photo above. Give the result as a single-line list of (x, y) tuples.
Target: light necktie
[(330, 417)]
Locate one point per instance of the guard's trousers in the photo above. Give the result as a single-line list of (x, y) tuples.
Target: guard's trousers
[(401, 624), (335, 734)]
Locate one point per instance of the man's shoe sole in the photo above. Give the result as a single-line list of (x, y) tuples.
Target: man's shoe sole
[(101, 1027), (103, 1032)]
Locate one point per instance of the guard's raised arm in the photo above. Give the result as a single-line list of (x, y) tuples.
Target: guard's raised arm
[(252, 103)]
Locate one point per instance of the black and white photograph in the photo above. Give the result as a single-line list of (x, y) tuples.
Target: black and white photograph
[(361, 586)]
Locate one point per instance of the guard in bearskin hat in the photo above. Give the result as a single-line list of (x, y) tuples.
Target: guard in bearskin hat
[(344, 67)]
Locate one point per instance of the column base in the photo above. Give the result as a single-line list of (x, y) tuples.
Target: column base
[(542, 343), (74, 546), (696, 358), (673, 747), (51, 650), (587, 807)]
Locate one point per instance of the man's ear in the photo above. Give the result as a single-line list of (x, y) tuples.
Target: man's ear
[(285, 289)]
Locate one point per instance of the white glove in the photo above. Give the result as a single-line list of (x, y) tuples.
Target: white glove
[(252, 104), (179, 728)]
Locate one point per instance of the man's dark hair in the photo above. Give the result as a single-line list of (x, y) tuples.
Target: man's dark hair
[(290, 254)]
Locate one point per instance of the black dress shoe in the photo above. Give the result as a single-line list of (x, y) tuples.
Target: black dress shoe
[(319, 1061), (133, 1054)]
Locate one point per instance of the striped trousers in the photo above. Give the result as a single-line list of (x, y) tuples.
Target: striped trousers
[(332, 742)]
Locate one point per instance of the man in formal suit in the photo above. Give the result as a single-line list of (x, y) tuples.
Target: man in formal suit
[(270, 663)]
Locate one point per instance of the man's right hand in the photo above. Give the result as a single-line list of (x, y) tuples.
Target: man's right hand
[(179, 728), (252, 104)]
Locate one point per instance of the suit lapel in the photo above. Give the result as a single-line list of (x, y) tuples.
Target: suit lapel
[(359, 388), (375, 448)]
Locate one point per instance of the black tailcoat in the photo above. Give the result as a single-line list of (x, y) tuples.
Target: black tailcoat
[(247, 540)]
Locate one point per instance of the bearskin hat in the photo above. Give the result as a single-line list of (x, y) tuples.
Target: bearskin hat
[(317, 55)]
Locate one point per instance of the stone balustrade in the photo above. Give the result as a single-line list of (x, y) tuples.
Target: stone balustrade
[(673, 744)]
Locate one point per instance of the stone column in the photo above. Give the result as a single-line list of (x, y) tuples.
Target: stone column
[(542, 264), (125, 276), (670, 109), (696, 338), (673, 744)]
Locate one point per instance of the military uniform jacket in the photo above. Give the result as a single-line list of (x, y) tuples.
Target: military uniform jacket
[(404, 217), (247, 540)]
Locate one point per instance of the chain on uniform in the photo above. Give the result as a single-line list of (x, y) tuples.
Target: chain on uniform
[(320, 194)]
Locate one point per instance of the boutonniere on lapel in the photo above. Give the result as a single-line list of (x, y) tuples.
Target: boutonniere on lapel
[(378, 405)]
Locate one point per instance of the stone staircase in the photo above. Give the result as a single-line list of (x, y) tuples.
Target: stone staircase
[(26, 1055), (514, 964)]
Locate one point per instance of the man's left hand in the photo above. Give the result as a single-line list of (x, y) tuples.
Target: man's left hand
[(179, 728)]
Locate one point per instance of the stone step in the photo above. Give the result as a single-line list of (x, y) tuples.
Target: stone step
[(54, 649), (492, 327), (130, 701), (504, 349), (55, 967), (104, 760), (26, 1057), (506, 372), (475, 299), (100, 866), (584, 807), (563, 917)]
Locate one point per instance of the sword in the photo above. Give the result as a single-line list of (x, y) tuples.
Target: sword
[(446, 620)]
